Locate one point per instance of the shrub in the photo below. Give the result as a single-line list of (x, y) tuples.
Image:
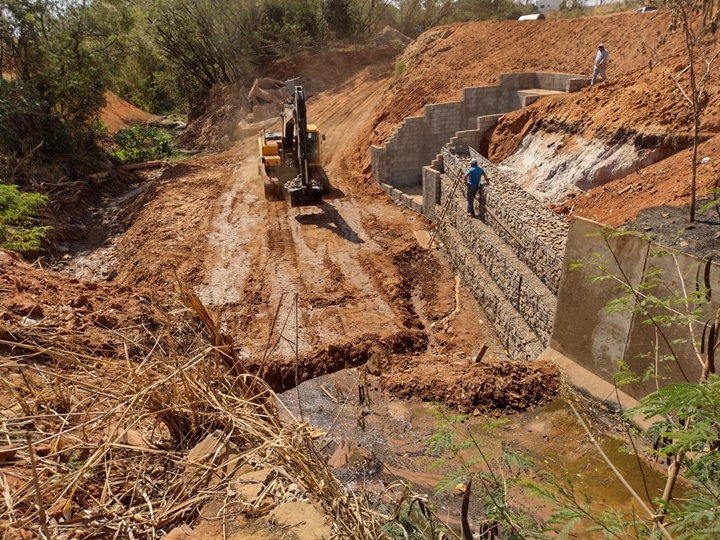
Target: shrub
[(142, 143), (19, 230)]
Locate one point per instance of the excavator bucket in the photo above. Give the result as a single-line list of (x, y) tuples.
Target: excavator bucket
[(300, 195)]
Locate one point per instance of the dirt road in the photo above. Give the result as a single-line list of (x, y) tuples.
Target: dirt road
[(362, 284)]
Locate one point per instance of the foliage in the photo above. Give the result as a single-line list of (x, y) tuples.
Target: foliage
[(58, 58), (466, 457), (142, 143), (696, 20), (19, 230), (470, 10), (62, 52), (414, 519), (146, 78), (339, 17), (691, 431), (223, 41)]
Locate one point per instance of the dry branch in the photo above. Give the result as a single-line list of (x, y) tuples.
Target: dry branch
[(112, 436)]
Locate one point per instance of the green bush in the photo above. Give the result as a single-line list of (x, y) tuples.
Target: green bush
[(142, 143), (19, 230)]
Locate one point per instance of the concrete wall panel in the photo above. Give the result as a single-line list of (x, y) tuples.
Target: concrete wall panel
[(594, 337), (584, 331), (680, 275)]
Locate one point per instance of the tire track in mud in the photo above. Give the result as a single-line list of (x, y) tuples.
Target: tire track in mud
[(353, 300), (281, 245)]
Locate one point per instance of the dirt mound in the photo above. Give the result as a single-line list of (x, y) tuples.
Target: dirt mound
[(471, 386), (229, 113), (118, 113), (389, 37), (49, 310), (638, 98)]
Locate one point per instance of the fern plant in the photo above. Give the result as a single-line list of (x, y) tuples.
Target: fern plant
[(691, 433)]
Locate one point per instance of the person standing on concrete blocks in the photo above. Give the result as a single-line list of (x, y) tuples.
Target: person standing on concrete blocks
[(472, 178), (600, 64)]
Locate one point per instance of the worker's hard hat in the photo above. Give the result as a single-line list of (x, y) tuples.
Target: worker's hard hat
[(601, 46), (473, 161)]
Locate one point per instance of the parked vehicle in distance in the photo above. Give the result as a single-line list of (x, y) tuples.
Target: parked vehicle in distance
[(646, 9), (532, 17)]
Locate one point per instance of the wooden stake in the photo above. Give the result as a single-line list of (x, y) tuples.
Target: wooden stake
[(38, 493), (482, 352)]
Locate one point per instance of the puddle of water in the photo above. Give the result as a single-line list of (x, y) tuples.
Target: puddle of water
[(384, 440)]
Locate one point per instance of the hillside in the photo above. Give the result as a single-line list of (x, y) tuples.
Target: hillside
[(639, 99)]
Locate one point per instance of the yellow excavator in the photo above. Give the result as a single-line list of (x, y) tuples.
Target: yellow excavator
[(290, 160)]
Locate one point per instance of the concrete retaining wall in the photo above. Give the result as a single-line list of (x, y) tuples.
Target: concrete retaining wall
[(597, 339), (419, 139)]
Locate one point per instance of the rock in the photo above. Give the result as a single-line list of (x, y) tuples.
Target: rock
[(26, 307), (249, 486), (80, 301), (7, 453), (135, 439), (178, 533), (302, 519), (106, 320), (349, 455), (212, 460)]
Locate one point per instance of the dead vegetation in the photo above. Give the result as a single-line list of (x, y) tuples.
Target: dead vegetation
[(107, 447)]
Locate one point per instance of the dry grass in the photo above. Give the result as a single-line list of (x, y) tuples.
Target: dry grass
[(99, 446)]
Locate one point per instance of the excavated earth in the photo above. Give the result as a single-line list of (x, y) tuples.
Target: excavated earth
[(307, 291)]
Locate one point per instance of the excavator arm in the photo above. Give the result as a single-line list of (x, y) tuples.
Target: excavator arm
[(304, 189)]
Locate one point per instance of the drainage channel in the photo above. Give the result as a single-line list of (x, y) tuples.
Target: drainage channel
[(374, 441)]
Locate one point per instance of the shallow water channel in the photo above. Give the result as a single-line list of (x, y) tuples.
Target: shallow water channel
[(374, 440)]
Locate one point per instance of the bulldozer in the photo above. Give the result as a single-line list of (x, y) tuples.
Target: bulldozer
[(290, 159)]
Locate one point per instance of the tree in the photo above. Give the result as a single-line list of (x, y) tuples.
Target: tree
[(340, 17), (691, 16), (222, 41), (59, 58), (428, 13)]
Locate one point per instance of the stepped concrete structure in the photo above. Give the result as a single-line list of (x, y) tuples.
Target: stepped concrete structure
[(516, 257), (419, 138), (511, 259)]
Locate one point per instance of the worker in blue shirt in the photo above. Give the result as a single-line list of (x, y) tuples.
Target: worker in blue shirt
[(472, 177)]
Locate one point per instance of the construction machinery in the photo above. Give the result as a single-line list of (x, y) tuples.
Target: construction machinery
[(290, 159)]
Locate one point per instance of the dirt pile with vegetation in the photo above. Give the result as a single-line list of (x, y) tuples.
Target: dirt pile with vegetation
[(639, 102)]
